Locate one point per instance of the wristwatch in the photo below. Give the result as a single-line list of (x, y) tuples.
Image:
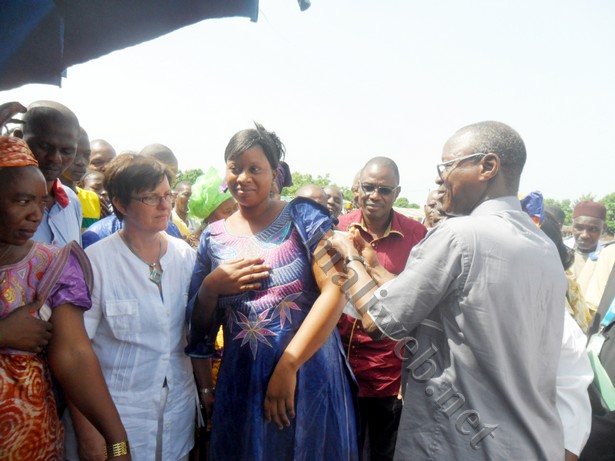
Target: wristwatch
[(349, 259)]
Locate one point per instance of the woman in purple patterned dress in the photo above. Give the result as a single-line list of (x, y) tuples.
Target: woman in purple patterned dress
[(40, 282), (284, 389)]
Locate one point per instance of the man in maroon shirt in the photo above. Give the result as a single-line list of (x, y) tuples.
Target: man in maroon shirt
[(376, 364)]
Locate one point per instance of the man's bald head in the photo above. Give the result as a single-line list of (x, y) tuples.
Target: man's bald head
[(433, 209), (335, 200), (45, 112), (52, 133), (101, 154), (163, 154), (383, 162), (313, 192)]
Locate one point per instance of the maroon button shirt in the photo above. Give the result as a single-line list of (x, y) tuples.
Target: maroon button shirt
[(375, 363)]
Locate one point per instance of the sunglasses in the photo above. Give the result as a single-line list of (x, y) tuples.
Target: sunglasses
[(382, 190)]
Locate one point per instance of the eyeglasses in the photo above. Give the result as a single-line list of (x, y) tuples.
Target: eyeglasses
[(155, 200), (452, 164), (382, 190)]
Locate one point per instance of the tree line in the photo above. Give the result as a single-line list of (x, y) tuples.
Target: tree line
[(568, 206), (301, 179)]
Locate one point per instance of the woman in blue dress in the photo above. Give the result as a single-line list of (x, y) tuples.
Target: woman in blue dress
[(283, 390)]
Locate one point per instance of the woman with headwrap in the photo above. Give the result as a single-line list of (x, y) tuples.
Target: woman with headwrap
[(40, 282), (209, 202)]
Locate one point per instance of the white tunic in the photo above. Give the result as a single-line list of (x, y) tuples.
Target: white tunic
[(139, 340)]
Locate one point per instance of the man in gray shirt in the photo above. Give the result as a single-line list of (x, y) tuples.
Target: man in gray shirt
[(479, 306)]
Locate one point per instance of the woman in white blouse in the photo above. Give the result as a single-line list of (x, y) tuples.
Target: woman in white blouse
[(138, 318)]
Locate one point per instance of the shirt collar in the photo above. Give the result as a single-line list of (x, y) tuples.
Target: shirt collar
[(593, 255), (507, 203), (60, 195), (394, 226)]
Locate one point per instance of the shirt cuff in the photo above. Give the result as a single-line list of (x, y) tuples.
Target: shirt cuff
[(388, 326)]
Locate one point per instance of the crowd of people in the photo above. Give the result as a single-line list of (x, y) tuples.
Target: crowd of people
[(149, 319)]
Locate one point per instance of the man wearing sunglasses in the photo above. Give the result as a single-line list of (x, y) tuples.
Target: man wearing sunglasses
[(376, 364), (480, 308)]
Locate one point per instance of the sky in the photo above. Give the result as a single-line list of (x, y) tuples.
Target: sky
[(348, 80)]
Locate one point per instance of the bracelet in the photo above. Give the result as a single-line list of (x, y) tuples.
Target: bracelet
[(206, 390), (349, 259), (116, 449)]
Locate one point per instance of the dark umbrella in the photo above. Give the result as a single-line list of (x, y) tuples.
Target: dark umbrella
[(40, 39)]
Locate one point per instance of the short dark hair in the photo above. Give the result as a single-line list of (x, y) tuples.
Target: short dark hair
[(40, 111), (245, 139), (384, 162), (550, 227), (556, 212), (161, 153), (498, 138), (181, 184), (105, 145), (129, 174)]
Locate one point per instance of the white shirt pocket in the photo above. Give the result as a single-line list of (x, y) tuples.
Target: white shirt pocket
[(123, 317)]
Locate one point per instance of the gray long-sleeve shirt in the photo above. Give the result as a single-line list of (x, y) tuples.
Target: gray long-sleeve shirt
[(479, 305)]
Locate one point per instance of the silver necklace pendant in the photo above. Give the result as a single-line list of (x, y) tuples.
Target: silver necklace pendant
[(155, 275)]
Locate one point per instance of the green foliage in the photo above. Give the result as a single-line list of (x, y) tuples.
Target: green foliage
[(403, 202), (609, 202), (568, 206), (300, 179), (565, 205), (347, 193), (188, 175), (584, 198)]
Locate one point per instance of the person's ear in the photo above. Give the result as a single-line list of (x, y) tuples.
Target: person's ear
[(489, 167), (397, 192), (119, 205)]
